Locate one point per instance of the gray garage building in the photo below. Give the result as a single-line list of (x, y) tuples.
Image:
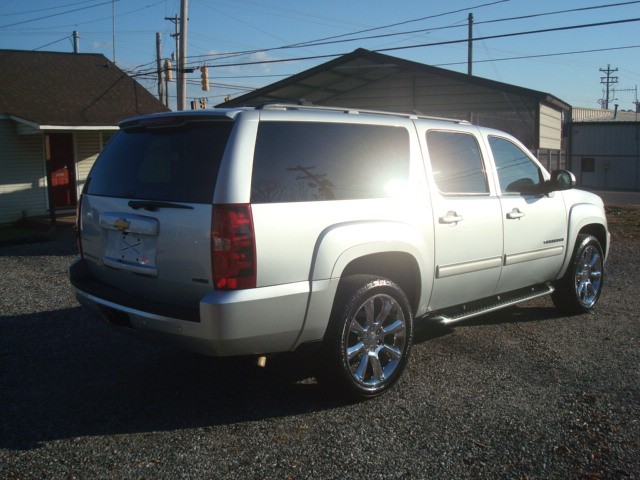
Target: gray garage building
[(605, 149), (370, 80)]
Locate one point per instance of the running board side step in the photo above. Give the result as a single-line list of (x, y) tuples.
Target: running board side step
[(490, 304)]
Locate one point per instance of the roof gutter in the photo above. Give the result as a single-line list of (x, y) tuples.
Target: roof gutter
[(38, 128)]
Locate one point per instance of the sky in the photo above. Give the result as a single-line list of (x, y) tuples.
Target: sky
[(248, 44)]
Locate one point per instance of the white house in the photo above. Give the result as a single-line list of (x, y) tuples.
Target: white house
[(57, 110)]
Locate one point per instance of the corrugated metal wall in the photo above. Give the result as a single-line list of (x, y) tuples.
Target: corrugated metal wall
[(550, 128), (22, 174), (444, 97), (606, 155)]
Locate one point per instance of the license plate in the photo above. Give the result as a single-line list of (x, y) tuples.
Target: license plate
[(131, 251)]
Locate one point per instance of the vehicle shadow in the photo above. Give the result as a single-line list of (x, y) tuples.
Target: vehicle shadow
[(64, 375)]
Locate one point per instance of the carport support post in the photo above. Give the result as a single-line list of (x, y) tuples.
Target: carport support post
[(47, 162)]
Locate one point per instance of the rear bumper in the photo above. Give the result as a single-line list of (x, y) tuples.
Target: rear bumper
[(226, 323)]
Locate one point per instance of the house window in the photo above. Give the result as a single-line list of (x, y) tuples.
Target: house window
[(588, 165)]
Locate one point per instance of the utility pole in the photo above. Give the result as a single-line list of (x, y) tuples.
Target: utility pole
[(159, 66), (167, 76), (182, 75), (470, 46), (76, 42), (113, 28), (608, 81), (176, 22)]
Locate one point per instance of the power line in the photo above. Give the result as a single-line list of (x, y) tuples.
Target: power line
[(55, 41), (433, 44), (429, 17), (48, 8), (542, 55), (94, 20), (323, 41), (581, 9), (411, 32), (516, 34), (313, 42), (57, 14)]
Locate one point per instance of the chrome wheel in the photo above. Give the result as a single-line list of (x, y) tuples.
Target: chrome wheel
[(589, 276), (375, 340), (579, 289), (369, 337)]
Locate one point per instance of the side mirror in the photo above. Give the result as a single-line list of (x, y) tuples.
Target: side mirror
[(562, 180)]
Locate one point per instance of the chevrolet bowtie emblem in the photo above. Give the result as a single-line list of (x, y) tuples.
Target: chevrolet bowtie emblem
[(121, 224)]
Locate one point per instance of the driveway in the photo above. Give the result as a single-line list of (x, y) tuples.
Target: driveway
[(619, 198), (522, 393)]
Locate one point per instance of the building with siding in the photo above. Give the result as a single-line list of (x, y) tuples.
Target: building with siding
[(370, 80), (57, 111), (605, 149)]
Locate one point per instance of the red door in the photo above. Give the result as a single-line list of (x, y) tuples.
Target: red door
[(59, 148)]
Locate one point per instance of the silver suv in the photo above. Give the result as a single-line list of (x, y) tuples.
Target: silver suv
[(257, 231)]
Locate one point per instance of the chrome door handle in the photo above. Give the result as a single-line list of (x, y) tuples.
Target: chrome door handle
[(450, 218), (515, 214)]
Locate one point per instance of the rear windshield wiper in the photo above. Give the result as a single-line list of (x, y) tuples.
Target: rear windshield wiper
[(153, 206)]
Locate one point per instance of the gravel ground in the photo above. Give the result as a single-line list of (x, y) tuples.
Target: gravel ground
[(523, 393)]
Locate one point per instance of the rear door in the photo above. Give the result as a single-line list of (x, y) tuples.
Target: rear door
[(59, 154), (147, 207), (467, 219)]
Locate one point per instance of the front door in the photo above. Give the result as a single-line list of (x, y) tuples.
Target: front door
[(535, 236), (59, 155)]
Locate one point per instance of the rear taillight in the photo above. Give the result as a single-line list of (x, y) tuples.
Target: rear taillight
[(78, 225), (233, 247)]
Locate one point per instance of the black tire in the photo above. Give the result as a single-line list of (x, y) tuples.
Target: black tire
[(368, 339), (579, 290)]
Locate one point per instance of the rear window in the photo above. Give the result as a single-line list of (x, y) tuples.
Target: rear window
[(457, 163), (315, 161), (170, 163)]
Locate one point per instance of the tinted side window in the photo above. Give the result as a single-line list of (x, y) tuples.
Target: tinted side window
[(312, 161), (516, 171), (456, 162), (176, 163)]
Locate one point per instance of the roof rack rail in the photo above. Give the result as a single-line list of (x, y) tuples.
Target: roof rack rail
[(351, 110)]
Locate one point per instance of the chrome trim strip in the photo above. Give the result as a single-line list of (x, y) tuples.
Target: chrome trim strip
[(443, 271), (514, 258)]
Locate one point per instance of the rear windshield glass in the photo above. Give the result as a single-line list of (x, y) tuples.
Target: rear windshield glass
[(178, 164), (315, 161)]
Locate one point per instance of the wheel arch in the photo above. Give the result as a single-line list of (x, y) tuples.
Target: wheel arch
[(398, 266), (392, 250), (600, 232), (587, 219)]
